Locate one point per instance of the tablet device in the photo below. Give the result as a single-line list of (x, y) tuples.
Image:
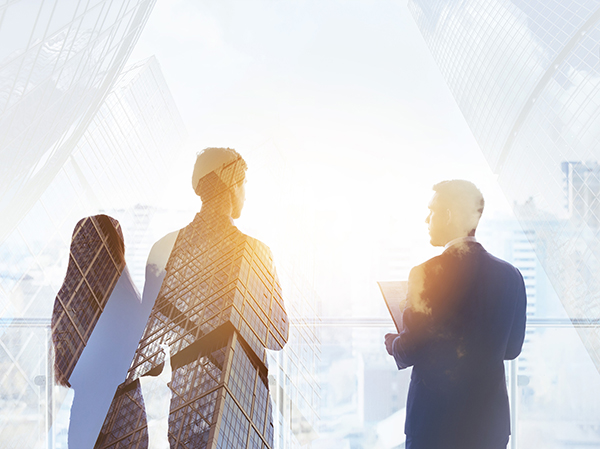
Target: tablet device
[(394, 294)]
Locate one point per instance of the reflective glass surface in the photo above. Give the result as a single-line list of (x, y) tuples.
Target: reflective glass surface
[(526, 77), (57, 63)]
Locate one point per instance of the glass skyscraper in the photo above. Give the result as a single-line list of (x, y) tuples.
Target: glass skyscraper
[(526, 75), (293, 372), (58, 61), (96, 261), (219, 306), (117, 167)]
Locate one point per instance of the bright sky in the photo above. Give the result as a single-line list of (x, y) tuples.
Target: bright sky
[(340, 112)]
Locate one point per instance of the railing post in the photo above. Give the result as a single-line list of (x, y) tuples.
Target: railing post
[(513, 402)]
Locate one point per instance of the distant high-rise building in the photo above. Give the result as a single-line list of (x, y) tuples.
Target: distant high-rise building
[(295, 387), (507, 239), (526, 76), (582, 188)]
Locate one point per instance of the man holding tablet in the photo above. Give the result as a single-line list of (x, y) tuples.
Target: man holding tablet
[(465, 315)]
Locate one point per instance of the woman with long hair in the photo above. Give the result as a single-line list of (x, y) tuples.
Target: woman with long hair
[(96, 323)]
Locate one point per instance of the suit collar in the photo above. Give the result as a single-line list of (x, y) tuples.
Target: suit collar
[(463, 246), (460, 241)]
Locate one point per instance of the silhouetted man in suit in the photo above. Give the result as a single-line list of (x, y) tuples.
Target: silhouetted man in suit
[(465, 315), (216, 306)]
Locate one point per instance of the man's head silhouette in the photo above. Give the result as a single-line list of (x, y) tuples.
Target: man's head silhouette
[(219, 178), (454, 211)]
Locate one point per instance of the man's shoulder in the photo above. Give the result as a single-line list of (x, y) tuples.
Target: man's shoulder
[(502, 266), (434, 261), (259, 248), (255, 242), (494, 264), (430, 264), (161, 251), (472, 256)]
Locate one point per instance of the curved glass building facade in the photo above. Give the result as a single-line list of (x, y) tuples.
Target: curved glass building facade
[(526, 76), (58, 61)]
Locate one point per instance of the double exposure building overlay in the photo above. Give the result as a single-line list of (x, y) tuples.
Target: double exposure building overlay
[(526, 76), (218, 308), (122, 160), (95, 265), (294, 381), (81, 136)]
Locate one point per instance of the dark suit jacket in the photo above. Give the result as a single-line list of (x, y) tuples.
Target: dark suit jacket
[(465, 316)]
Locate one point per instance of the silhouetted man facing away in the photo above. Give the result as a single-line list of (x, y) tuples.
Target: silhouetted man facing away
[(217, 305), (465, 315)]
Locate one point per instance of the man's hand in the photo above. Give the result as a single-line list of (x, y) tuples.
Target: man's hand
[(389, 341)]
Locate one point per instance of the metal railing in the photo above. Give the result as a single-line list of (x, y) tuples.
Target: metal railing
[(342, 322), (387, 322)]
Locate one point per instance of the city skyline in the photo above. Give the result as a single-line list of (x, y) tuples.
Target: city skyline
[(346, 123)]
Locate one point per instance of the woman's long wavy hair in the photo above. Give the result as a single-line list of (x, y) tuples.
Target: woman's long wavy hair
[(88, 281)]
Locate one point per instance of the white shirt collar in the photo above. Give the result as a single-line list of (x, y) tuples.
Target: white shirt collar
[(460, 240)]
